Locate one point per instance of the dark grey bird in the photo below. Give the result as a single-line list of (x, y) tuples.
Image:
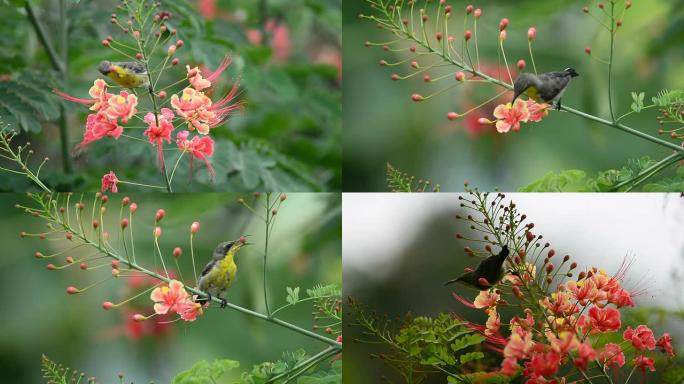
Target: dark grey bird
[(545, 87), (491, 269)]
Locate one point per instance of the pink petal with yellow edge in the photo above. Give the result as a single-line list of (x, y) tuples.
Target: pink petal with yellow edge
[(502, 126)]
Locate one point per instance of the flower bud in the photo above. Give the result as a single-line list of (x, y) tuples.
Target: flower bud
[(439, 36), (72, 290), (585, 9), (600, 5), (115, 272), (549, 268), (171, 50), (133, 208), (124, 223), (69, 259), (551, 253), (175, 61), (427, 78), (83, 266), (179, 43), (531, 33), (194, 227), (138, 317), (467, 35), (243, 240), (107, 305), (469, 9), (417, 97), (566, 258), (573, 265), (115, 263), (139, 56), (162, 94), (581, 276), (453, 115), (125, 201), (173, 32), (618, 23), (587, 50), (502, 35), (482, 281), (503, 24), (274, 212), (136, 34), (283, 197), (105, 43), (51, 267), (69, 236), (177, 252), (159, 215), (483, 121), (157, 232), (395, 77), (460, 76), (517, 292), (96, 223), (628, 4), (478, 13), (521, 64)]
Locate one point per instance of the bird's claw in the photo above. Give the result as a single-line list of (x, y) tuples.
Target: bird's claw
[(224, 303)]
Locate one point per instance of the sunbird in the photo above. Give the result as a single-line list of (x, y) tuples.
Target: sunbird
[(491, 269), (219, 274), (545, 87), (129, 74)]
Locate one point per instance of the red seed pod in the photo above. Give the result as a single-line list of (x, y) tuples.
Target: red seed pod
[(69, 236), (427, 78), (551, 253), (179, 43), (159, 215), (439, 36), (529, 236), (83, 266), (395, 77), (521, 64), (469, 9), (125, 201), (503, 24), (138, 317), (459, 76), (573, 265), (124, 223), (105, 43), (51, 267), (587, 50), (478, 13), (177, 252), (453, 115), (417, 97), (467, 35), (566, 258), (115, 264), (194, 227), (96, 223), (107, 305), (162, 94), (69, 259), (549, 268), (72, 290), (133, 208), (531, 34), (581, 276)]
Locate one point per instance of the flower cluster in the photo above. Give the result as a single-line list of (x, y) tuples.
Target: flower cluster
[(191, 106), (509, 116), (565, 324)]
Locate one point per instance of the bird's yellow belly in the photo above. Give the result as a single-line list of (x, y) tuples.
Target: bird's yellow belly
[(126, 79), (533, 94), (222, 277)]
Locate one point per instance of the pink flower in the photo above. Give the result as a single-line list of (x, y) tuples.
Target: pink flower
[(665, 344), (196, 79), (486, 299), (644, 362), (612, 355), (121, 106), (510, 116), (109, 182), (493, 323), (156, 134), (167, 298), (542, 364), (565, 342), (199, 147), (99, 126), (561, 303), (620, 297), (641, 337), (603, 320), (195, 108), (537, 111), (189, 310), (585, 354), (518, 346), (509, 366)]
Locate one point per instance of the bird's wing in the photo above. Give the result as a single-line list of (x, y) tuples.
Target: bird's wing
[(553, 83), (207, 268), (133, 66)]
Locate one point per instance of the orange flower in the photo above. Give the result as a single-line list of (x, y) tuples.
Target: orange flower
[(121, 106), (486, 299), (189, 310), (537, 111), (641, 337), (612, 355), (509, 116), (167, 298)]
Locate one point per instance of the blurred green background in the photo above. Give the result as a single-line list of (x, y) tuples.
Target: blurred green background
[(399, 249), (287, 54), (40, 318), (382, 124)]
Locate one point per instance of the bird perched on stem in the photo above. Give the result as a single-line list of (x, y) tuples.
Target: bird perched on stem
[(545, 87), (219, 274), (488, 273), (129, 74)]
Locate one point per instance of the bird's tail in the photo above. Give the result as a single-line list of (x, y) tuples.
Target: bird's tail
[(452, 281)]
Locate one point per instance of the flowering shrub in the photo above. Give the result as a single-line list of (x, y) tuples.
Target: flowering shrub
[(192, 107), (547, 320), (445, 56), (156, 298)]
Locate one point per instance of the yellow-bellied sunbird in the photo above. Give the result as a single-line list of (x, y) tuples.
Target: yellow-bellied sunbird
[(219, 274), (491, 269), (129, 74), (545, 87)]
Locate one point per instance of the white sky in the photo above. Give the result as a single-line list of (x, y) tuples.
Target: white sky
[(593, 228)]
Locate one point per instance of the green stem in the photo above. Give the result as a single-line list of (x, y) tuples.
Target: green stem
[(63, 125), (303, 366), (56, 62), (269, 217), (610, 61), (630, 112), (173, 171), (672, 158)]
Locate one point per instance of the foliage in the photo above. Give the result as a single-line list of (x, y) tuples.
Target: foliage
[(57, 374), (205, 373), (26, 99), (402, 182), (418, 347), (291, 362)]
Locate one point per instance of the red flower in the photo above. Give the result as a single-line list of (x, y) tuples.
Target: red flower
[(665, 344), (537, 111), (585, 354), (620, 297), (603, 320), (189, 310), (199, 147), (168, 298), (509, 366), (542, 365), (156, 134), (109, 182), (97, 127), (641, 337), (612, 355), (644, 362)]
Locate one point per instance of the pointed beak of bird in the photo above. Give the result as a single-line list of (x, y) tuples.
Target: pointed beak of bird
[(572, 73)]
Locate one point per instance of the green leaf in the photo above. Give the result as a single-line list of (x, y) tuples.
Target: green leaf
[(292, 295), (571, 180), (204, 373), (468, 357), (466, 341), (638, 103)]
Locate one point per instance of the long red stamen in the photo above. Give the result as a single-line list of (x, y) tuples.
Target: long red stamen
[(224, 64), (463, 300), (73, 98)]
